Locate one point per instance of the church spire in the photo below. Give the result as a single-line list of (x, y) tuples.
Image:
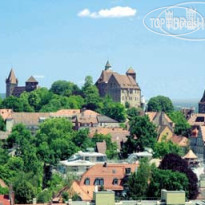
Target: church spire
[(107, 66), (12, 78), (203, 98)]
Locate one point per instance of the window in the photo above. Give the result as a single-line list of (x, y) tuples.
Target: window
[(75, 169), (100, 159), (115, 181), (87, 181), (128, 170), (200, 119), (99, 181), (87, 158)]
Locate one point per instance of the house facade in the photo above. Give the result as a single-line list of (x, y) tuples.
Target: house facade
[(109, 176), (165, 127), (121, 88)]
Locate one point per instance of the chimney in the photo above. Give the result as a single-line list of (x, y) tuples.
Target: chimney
[(96, 188)]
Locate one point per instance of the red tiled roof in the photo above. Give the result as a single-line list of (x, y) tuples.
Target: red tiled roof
[(118, 135), (180, 140), (4, 200), (108, 173), (65, 113)]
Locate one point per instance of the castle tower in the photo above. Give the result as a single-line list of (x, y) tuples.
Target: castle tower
[(11, 83), (131, 72), (31, 84), (202, 104)]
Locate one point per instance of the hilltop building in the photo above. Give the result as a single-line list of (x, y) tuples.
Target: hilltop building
[(12, 87), (121, 88), (202, 104)]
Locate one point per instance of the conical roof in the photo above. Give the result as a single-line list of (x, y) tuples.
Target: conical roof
[(107, 66), (190, 155), (32, 80), (130, 71), (12, 78), (203, 98)]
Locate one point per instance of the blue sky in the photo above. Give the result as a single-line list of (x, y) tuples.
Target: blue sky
[(47, 38)]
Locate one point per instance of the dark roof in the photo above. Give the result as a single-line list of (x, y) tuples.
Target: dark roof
[(203, 98), (105, 119), (31, 80), (130, 71), (18, 90), (125, 81), (12, 78), (107, 66), (101, 147)]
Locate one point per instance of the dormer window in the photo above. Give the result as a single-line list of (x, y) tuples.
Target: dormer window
[(115, 181), (87, 181), (128, 170), (99, 181)]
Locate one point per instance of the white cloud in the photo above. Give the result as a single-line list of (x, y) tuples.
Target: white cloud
[(115, 12)]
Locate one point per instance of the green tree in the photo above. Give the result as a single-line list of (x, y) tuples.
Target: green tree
[(91, 94), (142, 134), (113, 110), (4, 190), (54, 140), (15, 163), (66, 88), (44, 196), (2, 124), (3, 154), (138, 182), (166, 179), (160, 103), (82, 140), (133, 112), (175, 163), (13, 103), (182, 127), (24, 192), (166, 147)]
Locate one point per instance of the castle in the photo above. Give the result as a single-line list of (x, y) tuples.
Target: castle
[(121, 88), (12, 87)]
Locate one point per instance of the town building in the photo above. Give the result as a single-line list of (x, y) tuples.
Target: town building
[(197, 141), (109, 176), (12, 87), (165, 126), (121, 88)]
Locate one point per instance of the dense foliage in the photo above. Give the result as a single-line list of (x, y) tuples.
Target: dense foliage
[(160, 103), (176, 163), (142, 134), (166, 147), (149, 180), (182, 127)]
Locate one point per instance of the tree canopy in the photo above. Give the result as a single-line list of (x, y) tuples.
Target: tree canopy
[(160, 103), (176, 163), (142, 134)]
